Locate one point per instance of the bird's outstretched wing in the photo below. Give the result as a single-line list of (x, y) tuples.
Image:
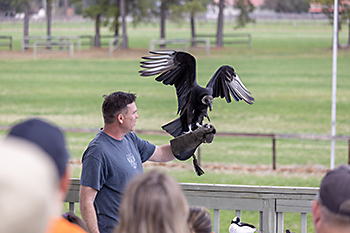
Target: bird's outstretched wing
[(175, 68), (225, 82)]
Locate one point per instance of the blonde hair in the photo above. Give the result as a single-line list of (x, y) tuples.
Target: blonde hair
[(199, 220), (153, 203)]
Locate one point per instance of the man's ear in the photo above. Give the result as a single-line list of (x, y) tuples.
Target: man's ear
[(120, 118), (65, 182), (316, 212)]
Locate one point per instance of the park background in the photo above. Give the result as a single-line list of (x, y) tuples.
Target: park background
[(288, 70)]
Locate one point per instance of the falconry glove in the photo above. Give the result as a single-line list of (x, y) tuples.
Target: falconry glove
[(184, 146)]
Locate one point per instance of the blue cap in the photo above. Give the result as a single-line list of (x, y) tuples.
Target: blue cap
[(47, 137)]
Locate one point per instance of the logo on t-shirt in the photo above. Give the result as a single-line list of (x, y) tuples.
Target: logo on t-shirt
[(131, 160)]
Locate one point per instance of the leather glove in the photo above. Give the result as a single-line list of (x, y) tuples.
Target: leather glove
[(184, 146), (189, 141)]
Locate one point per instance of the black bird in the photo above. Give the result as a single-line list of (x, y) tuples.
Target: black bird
[(179, 69), (239, 227)]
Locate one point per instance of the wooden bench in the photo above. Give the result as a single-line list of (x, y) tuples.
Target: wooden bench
[(271, 202), (232, 38), (28, 41), (184, 42), (6, 43), (49, 47)]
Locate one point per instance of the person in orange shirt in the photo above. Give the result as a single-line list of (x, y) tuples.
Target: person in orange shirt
[(51, 141)]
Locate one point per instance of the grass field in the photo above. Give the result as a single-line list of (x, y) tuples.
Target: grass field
[(288, 70)]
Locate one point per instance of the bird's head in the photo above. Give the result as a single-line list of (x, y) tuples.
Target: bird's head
[(236, 220), (208, 101)]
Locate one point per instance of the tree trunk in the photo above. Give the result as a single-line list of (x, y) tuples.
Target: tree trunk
[(48, 17), (26, 20), (65, 8), (85, 4), (122, 12), (219, 33), (162, 20), (117, 24), (57, 7), (349, 34), (97, 31), (193, 29)]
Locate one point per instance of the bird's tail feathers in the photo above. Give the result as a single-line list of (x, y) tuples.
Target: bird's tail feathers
[(174, 127)]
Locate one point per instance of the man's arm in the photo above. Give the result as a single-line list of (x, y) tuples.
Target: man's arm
[(162, 154), (86, 198)]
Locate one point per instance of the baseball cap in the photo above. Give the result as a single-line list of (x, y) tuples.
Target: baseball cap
[(335, 190), (46, 136)]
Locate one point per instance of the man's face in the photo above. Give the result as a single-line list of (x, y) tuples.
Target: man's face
[(131, 117)]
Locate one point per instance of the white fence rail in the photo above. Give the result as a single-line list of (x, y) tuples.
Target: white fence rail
[(29, 41), (271, 201)]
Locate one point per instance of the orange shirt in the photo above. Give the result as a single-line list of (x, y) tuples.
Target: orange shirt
[(61, 225)]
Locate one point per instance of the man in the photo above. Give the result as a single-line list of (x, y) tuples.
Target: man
[(116, 155), (51, 141), (331, 209)]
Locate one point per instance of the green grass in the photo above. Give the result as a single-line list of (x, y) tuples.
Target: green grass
[(288, 70)]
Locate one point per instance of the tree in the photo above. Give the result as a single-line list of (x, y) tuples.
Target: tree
[(122, 11), (245, 7), (192, 8), (220, 27), (95, 12), (290, 6), (48, 16), (146, 10), (344, 14), (24, 5)]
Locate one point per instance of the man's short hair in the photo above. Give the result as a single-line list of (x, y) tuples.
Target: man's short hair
[(114, 104)]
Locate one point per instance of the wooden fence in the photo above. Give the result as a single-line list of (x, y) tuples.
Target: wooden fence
[(271, 136), (271, 202), (5, 43)]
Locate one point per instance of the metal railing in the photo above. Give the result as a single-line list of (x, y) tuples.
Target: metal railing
[(271, 202)]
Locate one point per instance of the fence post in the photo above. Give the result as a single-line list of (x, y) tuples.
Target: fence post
[(349, 151), (199, 155), (274, 153)]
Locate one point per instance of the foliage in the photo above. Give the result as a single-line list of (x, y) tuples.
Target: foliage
[(5, 5), (245, 7), (189, 7), (344, 11), (290, 6)]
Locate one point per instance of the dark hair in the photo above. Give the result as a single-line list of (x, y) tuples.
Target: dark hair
[(199, 220), (73, 218), (114, 104)]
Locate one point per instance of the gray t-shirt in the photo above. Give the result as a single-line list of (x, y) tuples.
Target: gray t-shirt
[(108, 165)]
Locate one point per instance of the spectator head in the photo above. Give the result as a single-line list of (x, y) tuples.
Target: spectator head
[(48, 137), (199, 220), (153, 203), (28, 183), (332, 205)]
